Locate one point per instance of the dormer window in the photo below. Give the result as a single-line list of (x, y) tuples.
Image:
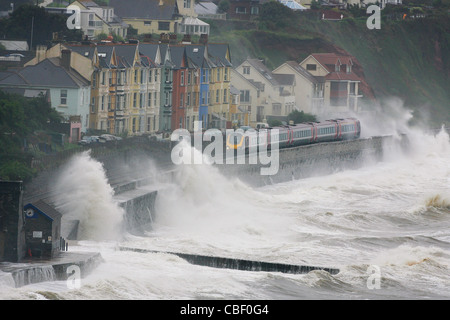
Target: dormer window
[(349, 68)]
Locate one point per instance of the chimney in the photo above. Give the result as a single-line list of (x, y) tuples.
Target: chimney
[(186, 39), (173, 38), (41, 52), (65, 59), (164, 38), (203, 38), (148, 37)]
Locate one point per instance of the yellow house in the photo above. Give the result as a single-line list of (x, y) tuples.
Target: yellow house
[(150, 16), (219, 84)]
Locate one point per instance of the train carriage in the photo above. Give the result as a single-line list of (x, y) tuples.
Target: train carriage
[(302, 133), (326, 131), (349, 128), (280, 135)]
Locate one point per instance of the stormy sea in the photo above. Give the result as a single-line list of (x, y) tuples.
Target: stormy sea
[(384, 225)]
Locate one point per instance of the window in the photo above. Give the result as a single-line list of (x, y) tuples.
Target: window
[(103, 77), (141, 100), (148, 123), (134, 125), (118, 102), (63, 97), (189, 79), (203, 98), (149, 100), (163, 25), (217, 95), (225, 95), (205, 76), (103, 103), (147, 23), (187, 3), (155, 99), (182, 78), (156, 75), (91, 20), (254, 10), (196, 77), (119, 77), (93, 105), (134, 99), (246, 70), (245, 96), (188, 99), (241, 10), (181, 100), (208, 98), (142, 76), (150, 75), (135, 76), (109, 103), (352, 88), (311, 67), (94, 79), (218, 75), (225, 75), (167, 97)]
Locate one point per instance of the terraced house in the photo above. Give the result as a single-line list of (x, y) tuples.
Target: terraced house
[(142, 88)]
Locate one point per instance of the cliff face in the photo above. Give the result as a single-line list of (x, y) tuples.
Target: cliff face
[(404, 59)]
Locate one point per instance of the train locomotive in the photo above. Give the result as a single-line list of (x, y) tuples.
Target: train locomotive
[(295, 135)]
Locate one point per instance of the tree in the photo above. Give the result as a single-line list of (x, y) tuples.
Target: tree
[(274, 122), (224, 6), (300, 116), (27, 18), (315, 5), (19, 118), (275, 15)]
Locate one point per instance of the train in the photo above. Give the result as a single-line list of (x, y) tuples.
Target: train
[(294, 135)]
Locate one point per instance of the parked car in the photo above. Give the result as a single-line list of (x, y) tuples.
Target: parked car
[(88, 140), (109, 137)]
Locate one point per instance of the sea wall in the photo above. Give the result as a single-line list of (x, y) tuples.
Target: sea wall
[(139, 207), (312, 160)]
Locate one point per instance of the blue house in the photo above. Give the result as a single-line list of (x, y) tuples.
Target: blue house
[(42, 230)]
